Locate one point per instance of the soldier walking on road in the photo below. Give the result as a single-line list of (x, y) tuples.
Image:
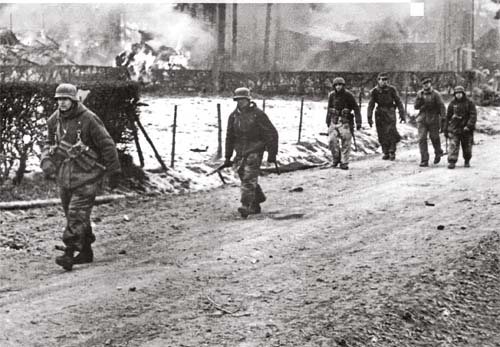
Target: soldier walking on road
[(459, 127), (249, 133), (340, 122), (387, 99), (77, 143), (429, 121)]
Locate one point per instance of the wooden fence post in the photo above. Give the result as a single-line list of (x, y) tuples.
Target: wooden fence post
[(406, 100), (137, 144), (301, 114), (219, 133), (361, 92), (264, 105), (157, 155), (174, 130)]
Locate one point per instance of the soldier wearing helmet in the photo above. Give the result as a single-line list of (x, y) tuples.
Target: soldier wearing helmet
[(340, 122), (459, 126), (249, 133), (429, 120), (78, 151), (387, 99)]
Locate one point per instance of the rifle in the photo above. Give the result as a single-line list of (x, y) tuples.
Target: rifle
[(278, 172), (218, 171), (354, 139)]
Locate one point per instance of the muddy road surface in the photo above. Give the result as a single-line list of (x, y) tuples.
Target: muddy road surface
[(385, 254)]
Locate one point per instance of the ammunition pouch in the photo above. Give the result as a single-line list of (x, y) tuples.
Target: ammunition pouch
[(79, 153)]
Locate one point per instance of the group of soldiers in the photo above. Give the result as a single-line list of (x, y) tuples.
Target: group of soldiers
[(250, 132), (79, 150), (457, 123)]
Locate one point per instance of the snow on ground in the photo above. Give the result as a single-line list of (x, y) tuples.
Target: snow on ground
[(197, 129)]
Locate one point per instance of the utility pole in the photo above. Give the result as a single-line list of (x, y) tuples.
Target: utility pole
[(234, 51), (221, 38), (472, 51), (277, 38), (266, 35)]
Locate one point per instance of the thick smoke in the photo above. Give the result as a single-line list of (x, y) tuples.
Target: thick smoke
[(96, 33)]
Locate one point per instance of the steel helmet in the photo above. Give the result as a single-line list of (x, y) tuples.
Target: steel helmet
[(66, 90), (241, 93), (338, 80), (458, 89)]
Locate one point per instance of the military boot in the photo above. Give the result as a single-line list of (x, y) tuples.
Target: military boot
[(66, 260), (386, 156), (392, 156), (260, 197), (255, 208), (244, 211), (344, 166), (467, 163), (85, 256), (437, 158), (424, 164), (451, 165)]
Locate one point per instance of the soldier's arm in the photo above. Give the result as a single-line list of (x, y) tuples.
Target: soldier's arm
[(471, 124), (398, 102), (440, 102), (270, 134), (419, 101), (50, 140), (449, 114), (46, 156), (229, 138), (357, 113), (105, 144), (328, 113), (371, 106)]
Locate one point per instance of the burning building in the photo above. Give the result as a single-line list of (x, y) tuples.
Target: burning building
[(38, 49)]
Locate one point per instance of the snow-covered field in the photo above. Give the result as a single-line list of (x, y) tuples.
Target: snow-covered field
[(197, 129)]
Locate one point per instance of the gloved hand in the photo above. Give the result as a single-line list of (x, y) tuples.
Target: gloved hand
[(228, 162), (358, 126), (114, 180), (48, 168), (271, 158), (370, 122), (466, 129)]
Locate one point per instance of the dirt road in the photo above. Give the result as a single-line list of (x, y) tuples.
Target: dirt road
[(355, 259)]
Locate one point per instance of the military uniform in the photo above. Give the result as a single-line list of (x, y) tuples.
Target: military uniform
[(461, 118), (250, 133), (340, 122), (78, 183), (429, 121), (387, 100)]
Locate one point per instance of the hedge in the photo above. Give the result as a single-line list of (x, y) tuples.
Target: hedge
[(25, 107)]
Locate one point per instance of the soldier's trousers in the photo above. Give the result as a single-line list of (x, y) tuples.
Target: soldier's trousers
[(433, 132), (340, 142), (248, 171), (387, 132), (77, 204), (466, 140)]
